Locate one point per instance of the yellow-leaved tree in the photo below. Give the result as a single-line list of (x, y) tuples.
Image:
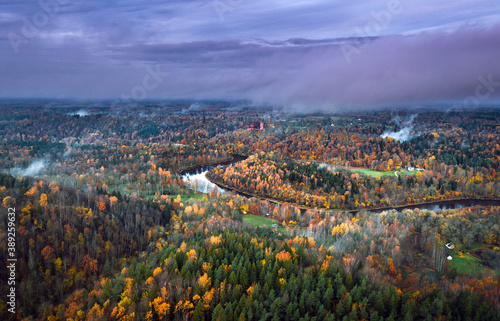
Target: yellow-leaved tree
[(43, 200)]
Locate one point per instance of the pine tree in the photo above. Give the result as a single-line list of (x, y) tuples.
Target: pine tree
[(107, 270), (353, 315), (329, 317), (375, 316), (344, 306), (328, 298), (107, 291), (349, 282), (379, 304), (198, 313), (244, 281)]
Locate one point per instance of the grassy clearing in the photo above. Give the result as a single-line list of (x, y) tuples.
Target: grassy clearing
[(466, 263), (184, 197), (405, 172), (339, 118), (372, 172), (261, 221), (469, 263), (196, 196), (477, 246)]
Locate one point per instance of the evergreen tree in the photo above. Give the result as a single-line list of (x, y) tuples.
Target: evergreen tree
[(198, 313), (344, 306), (328, 298)]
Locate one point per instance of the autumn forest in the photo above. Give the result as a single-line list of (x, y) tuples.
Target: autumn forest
[(383, 215)]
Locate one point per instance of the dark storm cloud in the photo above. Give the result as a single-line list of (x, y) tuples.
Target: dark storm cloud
[(314, 54)]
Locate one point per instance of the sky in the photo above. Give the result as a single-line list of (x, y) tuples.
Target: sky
[(304, 55)]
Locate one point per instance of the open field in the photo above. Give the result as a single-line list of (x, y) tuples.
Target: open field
[(184, 197), (198, 196), (372, 172), (477, 246), (405, 172), (382, 174), (261, 221), (466, 263)]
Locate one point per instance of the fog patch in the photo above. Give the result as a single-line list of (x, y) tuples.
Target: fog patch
[(193, 107), (406, 131), (81, 113), (401, 135), (34, 169), (67, 153)]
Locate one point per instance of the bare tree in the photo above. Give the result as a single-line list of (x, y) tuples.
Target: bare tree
[(438, 258)]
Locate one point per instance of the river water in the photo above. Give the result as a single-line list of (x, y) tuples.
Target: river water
[(442, 205), (199, 181), (197, 177)]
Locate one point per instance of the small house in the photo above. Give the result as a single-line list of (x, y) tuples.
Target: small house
[(450, 246), (448, 256), (411, 168)]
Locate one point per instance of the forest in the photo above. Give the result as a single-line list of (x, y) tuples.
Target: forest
[(107, 229)]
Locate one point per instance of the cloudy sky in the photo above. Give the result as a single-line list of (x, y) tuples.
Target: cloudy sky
[(315, 54)]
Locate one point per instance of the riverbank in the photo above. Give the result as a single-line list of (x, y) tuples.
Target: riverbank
[(247, 194), (420, 205), (425, 205), (196, 167), (433, 205)]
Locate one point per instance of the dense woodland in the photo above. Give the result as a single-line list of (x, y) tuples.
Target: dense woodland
[(107, 229)]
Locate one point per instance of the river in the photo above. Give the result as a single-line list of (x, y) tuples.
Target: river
[(197, 176), (441, 205)]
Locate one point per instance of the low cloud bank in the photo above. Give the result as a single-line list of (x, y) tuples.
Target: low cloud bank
[(35, 168), (435, 68)]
